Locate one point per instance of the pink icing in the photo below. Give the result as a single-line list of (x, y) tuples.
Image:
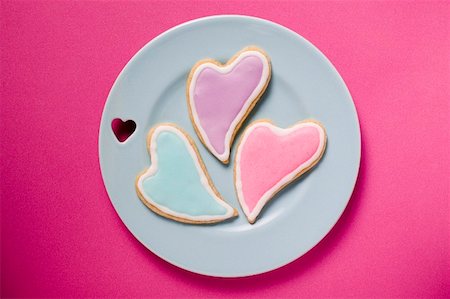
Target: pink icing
[(220, 97), (267, 158)]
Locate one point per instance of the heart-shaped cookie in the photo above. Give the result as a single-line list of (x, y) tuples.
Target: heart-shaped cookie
[(177, 185), (220, 96), (268, 158)]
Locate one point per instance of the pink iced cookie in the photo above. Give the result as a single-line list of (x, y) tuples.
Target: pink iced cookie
[(268, 158), (220, 96)]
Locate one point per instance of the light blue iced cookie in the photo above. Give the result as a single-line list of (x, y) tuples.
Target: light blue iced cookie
[(177, 185)]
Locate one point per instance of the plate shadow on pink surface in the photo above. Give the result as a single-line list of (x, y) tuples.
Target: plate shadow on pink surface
[(288, 272)]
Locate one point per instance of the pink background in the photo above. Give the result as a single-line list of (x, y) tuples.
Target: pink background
[(60, 236)]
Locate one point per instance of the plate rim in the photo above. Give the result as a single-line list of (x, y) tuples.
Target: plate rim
[(180, 26)]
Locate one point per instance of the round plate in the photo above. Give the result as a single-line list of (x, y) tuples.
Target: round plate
[(151, 89)]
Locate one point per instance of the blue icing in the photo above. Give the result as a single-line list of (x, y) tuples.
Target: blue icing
[(176, 184)]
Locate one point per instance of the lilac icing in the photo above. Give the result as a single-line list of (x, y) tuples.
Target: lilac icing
[(220, 97)]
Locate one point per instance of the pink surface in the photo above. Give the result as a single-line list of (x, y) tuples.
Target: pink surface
[(266, 158), (60, 236), (220, 97)]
